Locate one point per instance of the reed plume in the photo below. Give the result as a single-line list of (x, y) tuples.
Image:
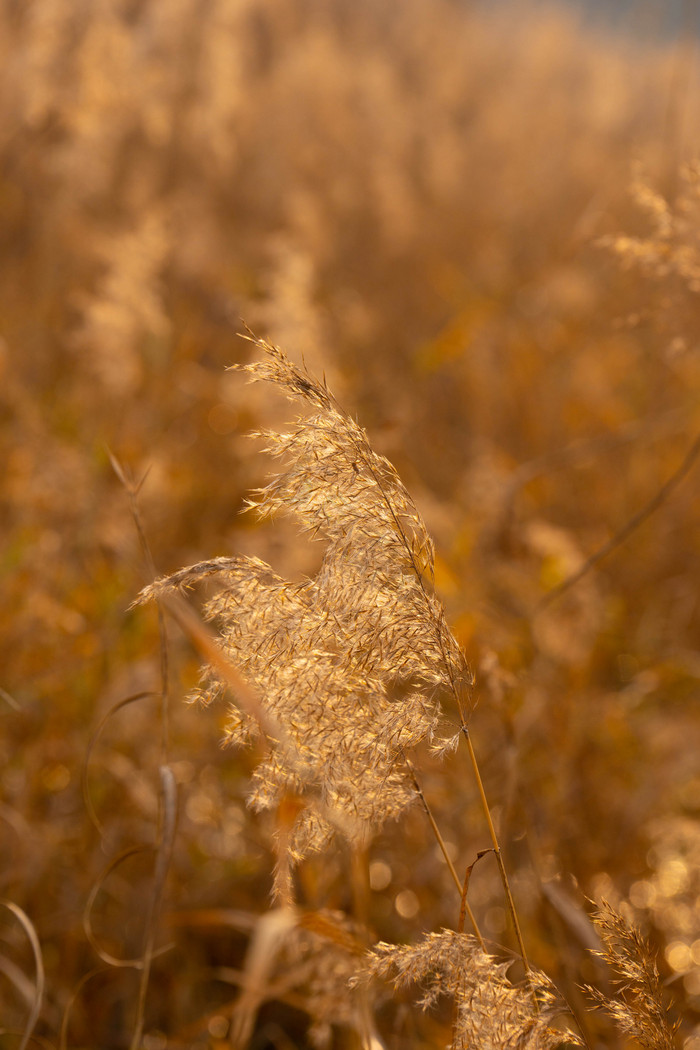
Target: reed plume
[(352, 663), (489, 1011), (638, 1011)]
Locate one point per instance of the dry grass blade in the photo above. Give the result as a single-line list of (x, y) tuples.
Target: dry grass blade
[(269, 934), (208, 645), (22, 984), (38, 993), (203, 917), (10, 700), (464, 908)]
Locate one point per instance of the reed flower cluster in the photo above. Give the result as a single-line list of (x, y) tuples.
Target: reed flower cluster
[(352, 663), (638, 1011), (489, 1010)]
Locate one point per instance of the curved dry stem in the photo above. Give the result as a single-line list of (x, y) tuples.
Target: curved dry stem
[(39, 982), (97, 732), (104, 955), (630, 526), (65, 1021)]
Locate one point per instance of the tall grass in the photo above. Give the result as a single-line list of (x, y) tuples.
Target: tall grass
[(480, 223), (345, 675)]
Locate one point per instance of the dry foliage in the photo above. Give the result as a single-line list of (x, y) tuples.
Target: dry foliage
[(349, 663), (480, 222)]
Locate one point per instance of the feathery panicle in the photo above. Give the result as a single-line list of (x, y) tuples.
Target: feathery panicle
[(352, 662), (378, 547), (639, 1011), (490, 1011)]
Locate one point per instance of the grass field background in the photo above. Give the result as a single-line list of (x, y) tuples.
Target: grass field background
[(482, 227)]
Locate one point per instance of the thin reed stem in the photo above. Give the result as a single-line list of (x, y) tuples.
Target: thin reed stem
[(132, 488), (166, 834), (628, 528), (497, 850), (446, 855)]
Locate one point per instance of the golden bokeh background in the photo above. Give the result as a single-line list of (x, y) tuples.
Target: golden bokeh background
[(481, 223)]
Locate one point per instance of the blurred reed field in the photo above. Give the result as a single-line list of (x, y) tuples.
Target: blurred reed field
[(481, 226)]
